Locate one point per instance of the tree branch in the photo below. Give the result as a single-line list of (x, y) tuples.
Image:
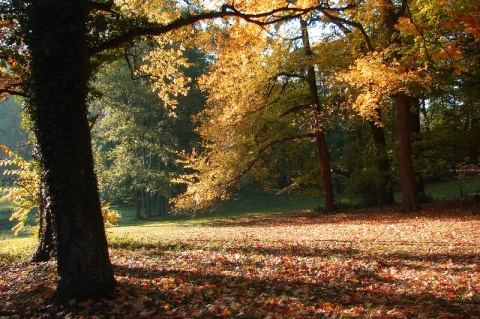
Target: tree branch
[(102, 6), (13, 92), (295, 109), (336, 19), (227, 11), (261, 151)]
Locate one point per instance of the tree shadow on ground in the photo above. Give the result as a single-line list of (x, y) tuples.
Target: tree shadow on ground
[(194, 294), (232, 278), (291, 283)]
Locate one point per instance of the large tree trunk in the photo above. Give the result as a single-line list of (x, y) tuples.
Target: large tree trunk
[(325, 170), (60, 73), (383, 164), (404, 153)]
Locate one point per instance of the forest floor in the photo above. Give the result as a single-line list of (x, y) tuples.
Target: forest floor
[(365, 263)]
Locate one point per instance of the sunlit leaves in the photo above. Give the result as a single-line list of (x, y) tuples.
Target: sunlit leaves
[(377, 80), (163, 66), (238, 87), (21, 185), (13, 53)]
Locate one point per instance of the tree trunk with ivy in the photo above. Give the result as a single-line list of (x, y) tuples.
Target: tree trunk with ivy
[(60, 73), (47, 234)]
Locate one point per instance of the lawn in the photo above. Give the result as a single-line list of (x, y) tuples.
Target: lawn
[(373, 263)]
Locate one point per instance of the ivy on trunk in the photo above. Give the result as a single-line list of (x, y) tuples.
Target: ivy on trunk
[(60, 72)]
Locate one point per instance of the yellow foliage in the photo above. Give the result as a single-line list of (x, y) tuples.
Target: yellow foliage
[(406, 26), (375, 81), (163, 65), (22, 187), (110, 215)]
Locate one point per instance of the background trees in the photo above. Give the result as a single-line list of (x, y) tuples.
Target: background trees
[(270, 93), (136, 134), (63, 42)]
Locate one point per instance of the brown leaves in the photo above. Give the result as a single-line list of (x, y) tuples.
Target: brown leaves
[(350, 265)]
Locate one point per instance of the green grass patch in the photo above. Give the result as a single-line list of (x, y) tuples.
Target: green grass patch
[(453, 188), (17, 247)]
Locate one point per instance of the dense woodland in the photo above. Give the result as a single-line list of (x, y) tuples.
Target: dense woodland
[(171, 106)]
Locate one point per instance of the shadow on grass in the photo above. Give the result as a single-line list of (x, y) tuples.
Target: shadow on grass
[(233, 289), (288, 282), (194, 294)]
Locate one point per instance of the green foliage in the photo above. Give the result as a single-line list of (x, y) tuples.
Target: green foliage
[(11, 133), (132, 135), (365, 184)]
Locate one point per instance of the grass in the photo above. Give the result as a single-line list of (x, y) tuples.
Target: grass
[(369, 263), (247, 203), (452, 189)]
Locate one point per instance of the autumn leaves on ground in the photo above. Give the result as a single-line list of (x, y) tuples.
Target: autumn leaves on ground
[(362, 263)]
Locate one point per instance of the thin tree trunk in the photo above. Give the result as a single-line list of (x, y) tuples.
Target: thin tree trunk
[(138, 210), (148, 204), (143, 194), (59, 87), (161, 204), (325, 170), (383, 164), (404, 153), (415, 128), (403, 105)]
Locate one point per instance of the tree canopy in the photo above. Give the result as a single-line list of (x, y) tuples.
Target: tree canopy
[(281, 74)]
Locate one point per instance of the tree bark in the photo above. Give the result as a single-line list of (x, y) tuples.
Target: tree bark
[(47, 234), (403, 105), (138, 210), (60, 72), (325, 169), (415, 128), (146, 202), (404, 153), (383, 164), (161, 204)]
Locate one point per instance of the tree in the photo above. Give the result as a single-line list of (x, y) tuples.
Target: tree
[(323, 153), (133, 136), (65, 40), (383, 74)]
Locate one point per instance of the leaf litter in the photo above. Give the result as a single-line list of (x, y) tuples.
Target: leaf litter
[(373, 264)]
